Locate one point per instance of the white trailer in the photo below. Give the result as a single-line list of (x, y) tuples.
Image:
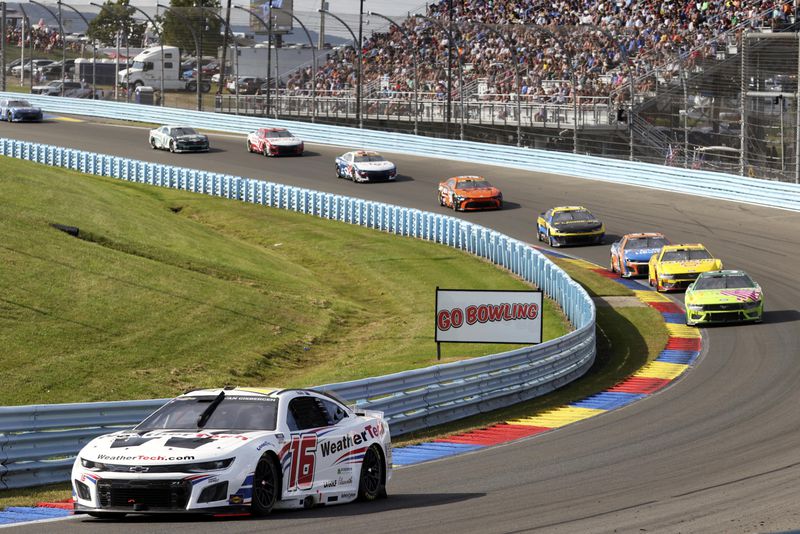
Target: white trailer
[(148, 66)]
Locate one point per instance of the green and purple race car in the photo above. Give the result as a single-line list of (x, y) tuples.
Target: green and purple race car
[(723, 297)]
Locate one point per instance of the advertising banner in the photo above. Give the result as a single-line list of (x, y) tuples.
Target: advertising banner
[(478, 316)]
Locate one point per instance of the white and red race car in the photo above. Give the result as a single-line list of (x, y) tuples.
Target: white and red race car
[(274, 142), (236, 450)]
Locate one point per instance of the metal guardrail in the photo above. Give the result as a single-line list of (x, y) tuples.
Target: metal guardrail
[(38, 443), (693, 182)]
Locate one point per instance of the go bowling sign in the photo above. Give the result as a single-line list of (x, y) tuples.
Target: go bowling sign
[(477, 316)]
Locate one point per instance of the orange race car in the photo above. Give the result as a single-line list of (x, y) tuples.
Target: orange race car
[(469, 193)]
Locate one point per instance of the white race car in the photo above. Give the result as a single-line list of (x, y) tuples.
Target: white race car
[(236, 450), (178, 139), (274, 142), (364, 166)]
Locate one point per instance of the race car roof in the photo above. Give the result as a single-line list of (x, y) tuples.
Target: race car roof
[(684, 246), (569, 208), (232, 391), (644, 234), (470, 178), (723, 273)]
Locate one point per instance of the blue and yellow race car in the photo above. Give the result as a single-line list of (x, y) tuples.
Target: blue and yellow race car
[(569, 225)]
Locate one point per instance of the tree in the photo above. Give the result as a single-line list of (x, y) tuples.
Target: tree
[(206, 26), (116, 18)]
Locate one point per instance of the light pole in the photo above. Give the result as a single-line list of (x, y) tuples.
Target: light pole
[(30, 38), (94, 47), (449, 33), (197, 48), (3, 45), (357, 46), (63, 41), (269, 55), (228, 31), (416, 72), (313, 61)]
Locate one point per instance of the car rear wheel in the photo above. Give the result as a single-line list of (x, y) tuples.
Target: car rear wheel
[(611, 265), (249, 147), (265, 150), (265, 486), (371, 481), (338, 172), (152, 143)]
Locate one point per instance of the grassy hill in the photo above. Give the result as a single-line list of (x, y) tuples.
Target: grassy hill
[(165, 290)]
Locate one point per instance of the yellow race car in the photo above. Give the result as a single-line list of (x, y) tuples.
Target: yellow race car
[(677, 266)]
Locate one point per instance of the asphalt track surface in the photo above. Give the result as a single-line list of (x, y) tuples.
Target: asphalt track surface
[(715, 452)]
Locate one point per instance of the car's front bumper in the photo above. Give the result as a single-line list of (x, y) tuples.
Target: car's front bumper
[(180, 147), (583, 238), (26, 117), (471, 204), (636, 268), (723, 313)]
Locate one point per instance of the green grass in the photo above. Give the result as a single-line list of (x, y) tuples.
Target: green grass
[(32, 496), (627, 338), (168, 290), (595, 284)]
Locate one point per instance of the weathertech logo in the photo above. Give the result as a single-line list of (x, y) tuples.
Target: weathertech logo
[(143, 457)]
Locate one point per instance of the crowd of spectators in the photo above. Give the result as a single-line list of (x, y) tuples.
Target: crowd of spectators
[(45, 39), (598, 43)]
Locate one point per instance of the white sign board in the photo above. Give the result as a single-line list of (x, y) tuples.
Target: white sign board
[(476, 316)]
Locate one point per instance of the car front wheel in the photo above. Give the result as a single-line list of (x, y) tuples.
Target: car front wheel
[(172, 146), (152, 143), (371, 481), (265, 486)]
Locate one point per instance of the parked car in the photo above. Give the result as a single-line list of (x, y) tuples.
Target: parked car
[(53, 70), (55, 88), (248, 85), (18, 69)]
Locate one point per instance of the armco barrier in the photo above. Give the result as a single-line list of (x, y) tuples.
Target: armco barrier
[(693, 182), (38, 443)]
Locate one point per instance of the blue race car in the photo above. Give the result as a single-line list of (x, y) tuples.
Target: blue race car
[(19, 110), (631, 254)]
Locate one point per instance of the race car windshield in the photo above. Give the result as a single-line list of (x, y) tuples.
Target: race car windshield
[(18, 104), (232, 413), (474, 184), (646, 242), (274, 135), (569, 216), (365, 159), (738, 281), (184, 131), (686, 255)]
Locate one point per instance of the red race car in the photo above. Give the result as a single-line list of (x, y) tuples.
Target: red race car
[(469, 193), (274, 142)]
